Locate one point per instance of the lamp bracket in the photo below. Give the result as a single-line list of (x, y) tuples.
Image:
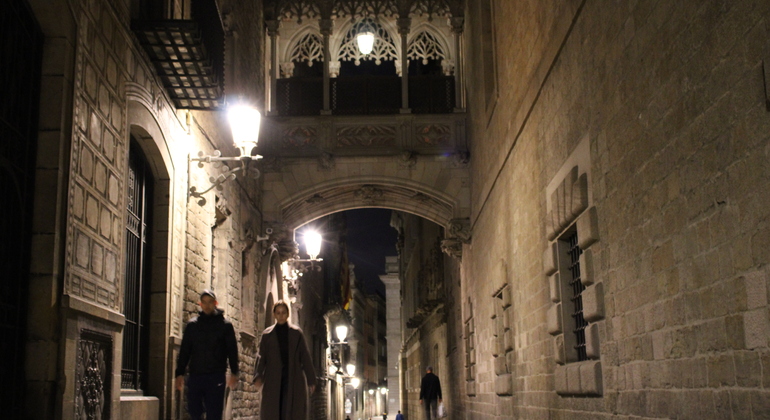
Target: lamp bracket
[(228, 175)]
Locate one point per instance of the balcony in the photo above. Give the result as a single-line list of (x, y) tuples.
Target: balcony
[(188, 55), (364, 135), (365, 95)]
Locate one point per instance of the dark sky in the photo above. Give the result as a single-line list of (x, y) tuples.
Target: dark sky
[(370, 239)]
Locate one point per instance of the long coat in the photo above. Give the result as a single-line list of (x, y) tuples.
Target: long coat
[(269, 367)]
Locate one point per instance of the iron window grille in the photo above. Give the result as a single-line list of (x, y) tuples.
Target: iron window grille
[(577, 287)]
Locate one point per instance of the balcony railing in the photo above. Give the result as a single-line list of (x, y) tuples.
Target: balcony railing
[(365, 95), (188, 55)]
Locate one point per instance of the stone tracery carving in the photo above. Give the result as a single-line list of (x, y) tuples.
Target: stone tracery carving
[(434, 134), (367, 135), (298, 136), (310, 49), (425, 47)]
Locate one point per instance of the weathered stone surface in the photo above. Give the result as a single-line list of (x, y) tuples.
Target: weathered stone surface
[(593, 302)]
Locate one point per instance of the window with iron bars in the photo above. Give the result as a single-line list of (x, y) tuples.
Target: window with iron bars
[(572, 251)]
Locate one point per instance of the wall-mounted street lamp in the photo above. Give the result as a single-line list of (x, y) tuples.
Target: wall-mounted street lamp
[(294, 268), (244, 123), (342, 333)]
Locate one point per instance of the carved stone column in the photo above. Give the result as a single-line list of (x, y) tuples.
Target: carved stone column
[(404, 25), (327, 26), (457, 29), (272, 32)]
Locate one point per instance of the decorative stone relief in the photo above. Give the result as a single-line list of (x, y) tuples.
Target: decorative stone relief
[(366, 135), (461, 159), (93, 373), (407, 159), (287, 69), (369, 193), (434, 134), (316, 198), (453, 248), (326, 161), (299, 136), (460, 229)]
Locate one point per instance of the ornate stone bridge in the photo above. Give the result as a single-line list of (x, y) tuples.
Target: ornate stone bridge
[(319, 165)]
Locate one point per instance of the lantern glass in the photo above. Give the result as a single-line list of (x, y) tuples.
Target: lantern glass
[(244, 123), (342, 332), (313, 241), (365, 42)]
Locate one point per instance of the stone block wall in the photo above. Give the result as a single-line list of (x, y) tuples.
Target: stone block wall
[(670, 99), (98, 92)]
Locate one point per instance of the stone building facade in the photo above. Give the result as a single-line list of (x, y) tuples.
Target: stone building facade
[(638, 131), (112, 146)]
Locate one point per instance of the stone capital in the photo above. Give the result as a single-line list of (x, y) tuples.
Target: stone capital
[(457, 24), (272, 28), (404, 25), (326, 26), (459, 229)]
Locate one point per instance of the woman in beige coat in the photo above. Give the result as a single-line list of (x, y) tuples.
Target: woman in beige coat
[(284, 369)]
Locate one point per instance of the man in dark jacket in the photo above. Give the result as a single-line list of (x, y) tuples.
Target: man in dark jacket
[(208, 344), (430, 393)]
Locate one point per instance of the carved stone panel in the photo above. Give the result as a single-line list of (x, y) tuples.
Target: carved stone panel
[(93, 373), (366, 135)]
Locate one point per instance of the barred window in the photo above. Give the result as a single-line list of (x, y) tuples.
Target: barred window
[(577, 287)]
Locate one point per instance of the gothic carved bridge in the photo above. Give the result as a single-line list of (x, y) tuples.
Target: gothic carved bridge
[(319, 165)]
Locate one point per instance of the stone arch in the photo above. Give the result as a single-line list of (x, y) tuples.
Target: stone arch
[(293, 42), (337, 40), (362, 192), (443, 42), (145, 129)]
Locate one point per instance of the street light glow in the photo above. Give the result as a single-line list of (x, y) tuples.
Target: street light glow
[(313, 241), (342, 332)]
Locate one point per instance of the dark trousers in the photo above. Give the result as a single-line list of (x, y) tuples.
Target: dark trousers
[(206, 390), (430, 407)]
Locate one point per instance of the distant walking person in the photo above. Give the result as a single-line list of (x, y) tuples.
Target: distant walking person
[(430, 394), (284, 369), (208, 344), (399, 416)]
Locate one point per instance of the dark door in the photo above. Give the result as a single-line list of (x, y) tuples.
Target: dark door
[(21, 41), (136, 298)]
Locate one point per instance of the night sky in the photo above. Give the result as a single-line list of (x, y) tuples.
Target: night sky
[(370, 239)]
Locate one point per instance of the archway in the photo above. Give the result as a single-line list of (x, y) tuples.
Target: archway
[(148, 137)]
